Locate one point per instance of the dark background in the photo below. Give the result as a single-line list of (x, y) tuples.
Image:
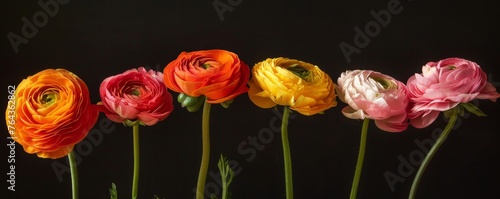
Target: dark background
[(97, 40)]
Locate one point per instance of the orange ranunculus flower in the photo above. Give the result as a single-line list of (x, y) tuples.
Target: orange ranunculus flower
[(52, 113), (288, 82), (218, 75)]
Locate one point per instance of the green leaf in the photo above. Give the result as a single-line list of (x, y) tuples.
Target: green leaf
[(473, 109), (113, 192), (227, 175)]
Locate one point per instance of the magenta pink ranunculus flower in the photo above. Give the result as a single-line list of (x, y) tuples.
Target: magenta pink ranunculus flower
[(376, 96), (443, 85), (136, 94)]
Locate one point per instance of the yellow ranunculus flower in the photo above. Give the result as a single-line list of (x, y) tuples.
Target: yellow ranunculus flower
[(301, 86)]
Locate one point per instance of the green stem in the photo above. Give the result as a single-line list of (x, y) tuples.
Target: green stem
[(431, 153), (135, 179), (74, 174), (224, 174), (286, 154), (224, 188), (361, 157), (205, 156)]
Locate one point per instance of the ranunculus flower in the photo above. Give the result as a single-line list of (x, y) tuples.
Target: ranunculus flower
[(301, 86), (52, 113), (376, 96), (136, 94), (443, 85), (218, 75)]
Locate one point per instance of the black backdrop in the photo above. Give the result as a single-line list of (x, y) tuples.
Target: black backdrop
[(97, 40)]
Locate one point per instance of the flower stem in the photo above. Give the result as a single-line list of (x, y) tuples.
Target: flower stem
[(205, 156), (135, 179), (286, 154), (432, 151), (74, 174), (361, 157)]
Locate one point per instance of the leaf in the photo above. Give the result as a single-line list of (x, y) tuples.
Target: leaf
[(473, 109), (227, 175), (113, 192)]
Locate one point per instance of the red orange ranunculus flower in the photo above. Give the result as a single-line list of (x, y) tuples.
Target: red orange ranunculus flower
[(136, 94), (218, 75), (52, 113)]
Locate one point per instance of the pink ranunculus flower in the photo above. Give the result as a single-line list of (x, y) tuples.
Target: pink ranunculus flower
[(443, 85), (136, 94), (376, 96)]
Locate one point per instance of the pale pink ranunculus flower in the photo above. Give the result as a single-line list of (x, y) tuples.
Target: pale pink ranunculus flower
[(443, 85), (376, 96), (136, 94)]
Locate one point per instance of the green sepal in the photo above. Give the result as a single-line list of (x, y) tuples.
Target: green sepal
[(457, 110), (226, 104), (186, 100), (192, 104), (195, 107), (473, 109), (132, 123)]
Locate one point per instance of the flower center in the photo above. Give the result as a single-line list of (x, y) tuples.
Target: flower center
[(49, 98), (386, 84), (300, 72), (205, 66), (451, 67), (135, 92), (209, 64)]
